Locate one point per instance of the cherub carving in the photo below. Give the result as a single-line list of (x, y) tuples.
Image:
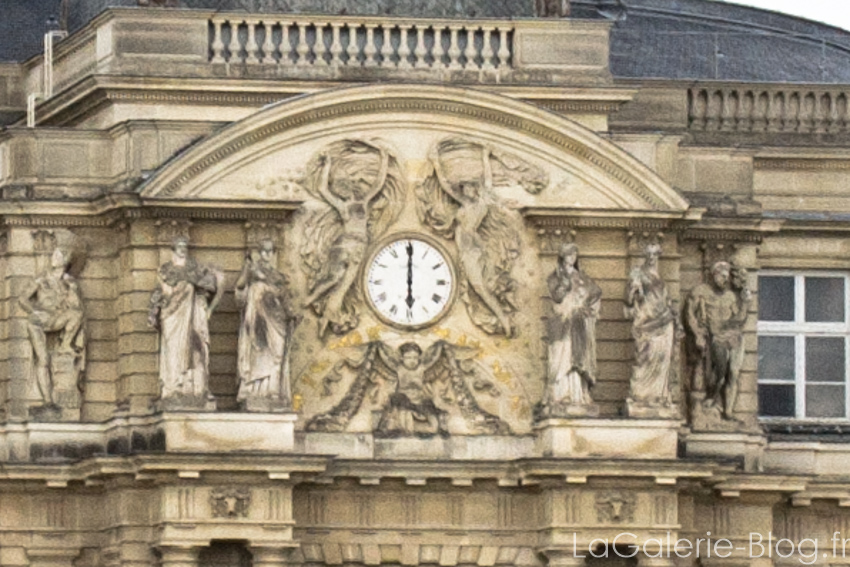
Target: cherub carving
[(362, 189), (413, 390), (457, 200)]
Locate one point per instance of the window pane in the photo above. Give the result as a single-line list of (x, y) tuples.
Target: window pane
[(825, 359), (825, 300), (776, 298), (825, 401), (776, 400), (776, 358)]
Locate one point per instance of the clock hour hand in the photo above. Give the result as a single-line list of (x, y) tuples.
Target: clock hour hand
[(409, 299)]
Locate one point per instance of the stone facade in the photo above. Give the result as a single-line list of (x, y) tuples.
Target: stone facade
[(410, 304)]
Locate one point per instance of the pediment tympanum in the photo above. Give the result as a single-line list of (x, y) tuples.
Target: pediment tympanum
[(384, 174)]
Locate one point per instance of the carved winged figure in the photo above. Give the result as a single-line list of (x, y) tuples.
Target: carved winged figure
[(417, 390), (361, 189), (457, 201)]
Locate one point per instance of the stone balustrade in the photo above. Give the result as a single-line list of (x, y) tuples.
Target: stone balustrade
[(388, 44), (780, 108)]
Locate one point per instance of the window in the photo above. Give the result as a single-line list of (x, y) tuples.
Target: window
[(803, 335)]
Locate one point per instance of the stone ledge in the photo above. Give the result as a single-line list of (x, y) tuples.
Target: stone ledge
[(608, 438)]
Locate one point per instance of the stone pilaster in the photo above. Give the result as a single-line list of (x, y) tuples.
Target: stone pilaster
[(179, 556), (265, 556)]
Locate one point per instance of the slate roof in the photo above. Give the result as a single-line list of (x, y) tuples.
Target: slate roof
[(665, 39), (23, 24)]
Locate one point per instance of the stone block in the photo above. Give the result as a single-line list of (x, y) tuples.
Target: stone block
[(215, 432), (749, 447), (608, 438)]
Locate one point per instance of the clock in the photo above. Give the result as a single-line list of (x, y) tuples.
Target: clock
[(410, 282)]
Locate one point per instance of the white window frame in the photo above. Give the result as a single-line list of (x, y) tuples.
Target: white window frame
[(799, 329)]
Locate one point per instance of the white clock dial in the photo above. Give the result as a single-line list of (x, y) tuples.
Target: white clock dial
[(409, 282)]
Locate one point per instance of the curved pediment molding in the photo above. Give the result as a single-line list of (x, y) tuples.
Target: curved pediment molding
[(617, 179)]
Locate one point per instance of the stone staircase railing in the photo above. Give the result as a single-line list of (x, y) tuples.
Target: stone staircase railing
[(339, 43), (780, 108)]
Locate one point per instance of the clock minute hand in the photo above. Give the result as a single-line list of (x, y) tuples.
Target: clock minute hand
[(409, 299)]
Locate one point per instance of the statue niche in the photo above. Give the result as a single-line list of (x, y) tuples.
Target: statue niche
[(655, 329), (55, 327), (716, 313), (180, 307), (575, 300), (361, 190), (413, 393), (457, 200), (265, 334)]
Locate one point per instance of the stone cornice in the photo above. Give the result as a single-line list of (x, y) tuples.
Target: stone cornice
[(108, 211), (801, 164)]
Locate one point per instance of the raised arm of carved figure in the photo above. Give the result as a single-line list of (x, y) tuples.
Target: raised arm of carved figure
[(382, 176), (324, 181), (25, 300), (441, 178), (488, 170)]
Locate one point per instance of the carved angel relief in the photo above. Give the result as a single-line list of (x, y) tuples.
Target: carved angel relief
[(457, 200), (416, 392), (362, 188)]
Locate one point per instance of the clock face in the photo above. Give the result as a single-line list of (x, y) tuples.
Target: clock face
[(409, 282)]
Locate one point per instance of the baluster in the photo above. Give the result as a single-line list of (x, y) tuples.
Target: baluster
[(821, 112), (504, 49), (233, 46), (268, 44), (403, 49), (730, 107), (336, 46), (807, 113), (303, 48), (285, 44), (217, 45), (421, 52), (320, 49), (487, 50), (387, 51), (792, 111), (470, 51), (439, 51), (834, 124), (251, 46), (844, 113), (352, 49), (454, 48), (369, 50), (774, 111)]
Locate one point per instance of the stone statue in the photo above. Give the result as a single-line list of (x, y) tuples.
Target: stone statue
[(362, 191), (654, 328), (571, 335), (457, 201), (186, 295), (265, 333), (716, 314), (54, 308), (552, 8), (414, 392)]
